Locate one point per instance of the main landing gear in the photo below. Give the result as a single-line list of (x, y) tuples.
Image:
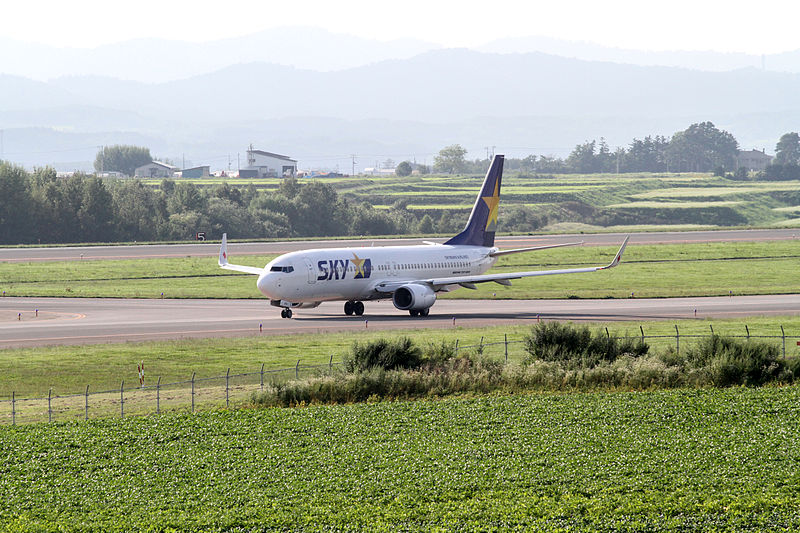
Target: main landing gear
[(286, 313), (353, 308), (419, 312)]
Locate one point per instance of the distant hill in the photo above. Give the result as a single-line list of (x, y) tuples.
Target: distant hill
[(521, 103), (159, 60), (446, 85)]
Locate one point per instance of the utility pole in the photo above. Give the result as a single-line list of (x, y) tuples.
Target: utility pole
[(353, 157), (102, 150)]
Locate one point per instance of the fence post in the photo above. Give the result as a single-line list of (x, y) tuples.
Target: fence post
[(608, 335), (49, 406), (677, 340), (712, 329), (505, 338), (783, 336), (642, 330), (748, 331), (481, 344), (158, 396), (86, 404), (122, 399), (456, 350), (193, 392), (227, 388), (13, 408), (297, 370), (330, 365), (262, 377)]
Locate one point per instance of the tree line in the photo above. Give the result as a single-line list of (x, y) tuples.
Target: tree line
[(702, 147), (39, 207)]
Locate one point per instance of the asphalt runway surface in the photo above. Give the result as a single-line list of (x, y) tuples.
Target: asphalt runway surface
[(271, 248), (75, 321)]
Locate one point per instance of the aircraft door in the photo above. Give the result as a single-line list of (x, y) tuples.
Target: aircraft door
[(394, 269), (312, 274)]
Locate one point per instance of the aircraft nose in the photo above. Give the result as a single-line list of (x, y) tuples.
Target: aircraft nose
[(266, 284)]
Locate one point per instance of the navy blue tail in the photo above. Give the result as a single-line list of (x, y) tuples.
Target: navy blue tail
[(483, 219)]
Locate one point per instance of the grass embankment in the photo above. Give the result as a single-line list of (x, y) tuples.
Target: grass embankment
[(669, 270), (700, 460)]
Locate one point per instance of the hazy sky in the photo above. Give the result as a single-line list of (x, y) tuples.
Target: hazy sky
[(767, 26)]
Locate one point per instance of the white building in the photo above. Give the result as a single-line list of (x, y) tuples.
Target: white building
[(155, 169), (261, 164)]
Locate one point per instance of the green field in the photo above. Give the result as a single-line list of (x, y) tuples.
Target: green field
[(647, 270), (700, 460), (30, 372), (624, 201)]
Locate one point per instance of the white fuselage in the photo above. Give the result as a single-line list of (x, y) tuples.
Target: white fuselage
[(352, 273)]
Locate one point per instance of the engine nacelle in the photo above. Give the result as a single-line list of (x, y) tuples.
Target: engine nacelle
[(413, 297)]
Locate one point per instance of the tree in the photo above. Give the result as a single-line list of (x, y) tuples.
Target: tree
[(583, 159), (121, 158), (15, 204), (403, 169), (450, 159), (787, 151), (701, 148)]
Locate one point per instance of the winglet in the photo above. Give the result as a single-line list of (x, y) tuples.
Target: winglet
[(223, 251), (618, 257)]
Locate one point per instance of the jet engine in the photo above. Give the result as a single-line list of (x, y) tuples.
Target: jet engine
[(413, 297)]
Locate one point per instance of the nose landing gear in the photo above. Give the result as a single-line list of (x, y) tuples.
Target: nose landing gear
[(353, 308), (421, 312)]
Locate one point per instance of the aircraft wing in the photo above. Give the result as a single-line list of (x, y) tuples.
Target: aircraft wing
[(223, 260), (502, 278)]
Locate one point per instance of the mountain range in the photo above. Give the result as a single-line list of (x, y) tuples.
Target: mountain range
[(414, 101)]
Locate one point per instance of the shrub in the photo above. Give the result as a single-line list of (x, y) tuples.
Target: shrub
[(727, 361), (554, 341), (388, 355)]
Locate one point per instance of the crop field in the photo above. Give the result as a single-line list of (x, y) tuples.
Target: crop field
[(704, 460), (711, 269)]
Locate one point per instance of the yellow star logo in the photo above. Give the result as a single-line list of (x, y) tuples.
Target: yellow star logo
[(492, 202), (359, 264)]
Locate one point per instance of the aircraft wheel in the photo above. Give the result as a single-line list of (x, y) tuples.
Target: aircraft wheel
[(358, 308), (283, 313), (424, 312), (413, 312), (348, 308), (288, 313)]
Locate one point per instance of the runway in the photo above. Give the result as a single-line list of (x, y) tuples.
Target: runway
[(76, 253), (73, 321)]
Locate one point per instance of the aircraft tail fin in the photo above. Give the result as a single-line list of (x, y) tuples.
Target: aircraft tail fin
[(482, 222), (223, 251)]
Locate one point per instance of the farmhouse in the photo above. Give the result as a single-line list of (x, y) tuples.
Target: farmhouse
[(753, 160), (155, 169), (261, 164)]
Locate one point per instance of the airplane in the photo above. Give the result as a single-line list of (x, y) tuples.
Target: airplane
[(410, 275)]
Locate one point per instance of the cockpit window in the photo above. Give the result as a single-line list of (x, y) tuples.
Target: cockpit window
[(285, 269)]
